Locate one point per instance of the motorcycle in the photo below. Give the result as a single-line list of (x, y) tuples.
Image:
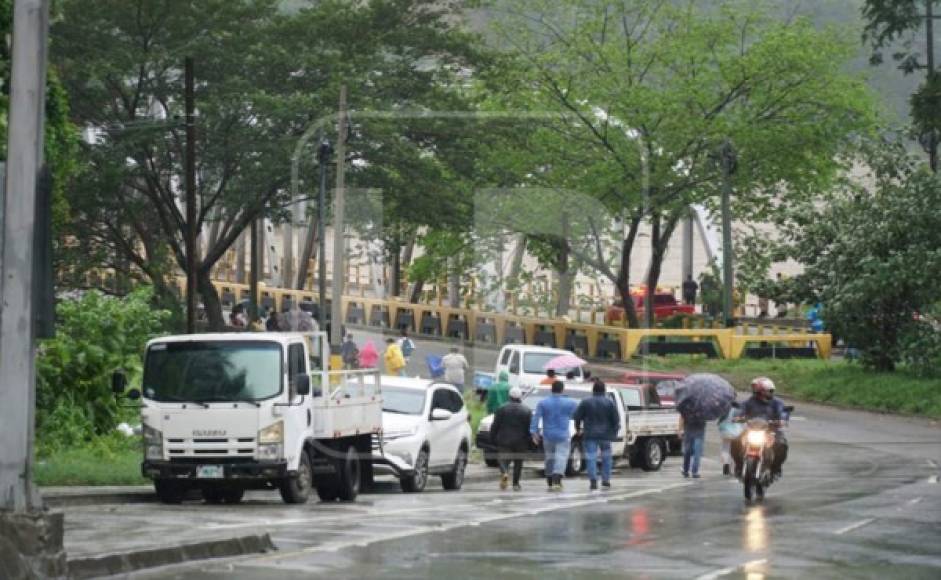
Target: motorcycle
[(758, 452)]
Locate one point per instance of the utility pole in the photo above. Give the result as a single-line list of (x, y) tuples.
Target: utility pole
[(727, 160), (254, 267), (190, 196), (932, 138), (31, 538), (323, 156), (339, 241)]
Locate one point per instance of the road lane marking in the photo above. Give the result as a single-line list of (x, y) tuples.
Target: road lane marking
[(914, 501), (932, 464), (933, 479), (419, 530), (726, 571), (855, 526), (798, 419)]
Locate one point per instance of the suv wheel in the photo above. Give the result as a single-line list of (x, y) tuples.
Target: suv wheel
[(454, 480), (419, 478)]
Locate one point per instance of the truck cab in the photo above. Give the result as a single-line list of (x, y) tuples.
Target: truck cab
[(525, 364), (222, 413)]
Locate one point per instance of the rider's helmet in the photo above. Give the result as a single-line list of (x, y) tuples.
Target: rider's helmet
[(763, 386)]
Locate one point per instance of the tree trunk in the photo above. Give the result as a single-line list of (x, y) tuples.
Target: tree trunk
[(623, 283), (396, 254), (454, 290), (417, 287), (516, 265), (660, 242), (310, 253), (211, 302), (565, 272)]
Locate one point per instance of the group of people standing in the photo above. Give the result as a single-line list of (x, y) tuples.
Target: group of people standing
[(517, 431)]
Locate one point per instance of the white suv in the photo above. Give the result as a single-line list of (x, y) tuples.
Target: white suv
[(425, 432)]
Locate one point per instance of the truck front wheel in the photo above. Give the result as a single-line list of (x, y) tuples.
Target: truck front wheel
[(652, 451), (296, 488)]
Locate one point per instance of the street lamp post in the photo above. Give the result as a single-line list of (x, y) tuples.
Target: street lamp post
[(323, 157), (727, 160)]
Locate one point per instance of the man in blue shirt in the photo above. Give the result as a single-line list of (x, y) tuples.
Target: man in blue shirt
[(554, 412)]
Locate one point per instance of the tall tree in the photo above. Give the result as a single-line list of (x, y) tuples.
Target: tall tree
[(645, 92), (264, 77), (895, 25)]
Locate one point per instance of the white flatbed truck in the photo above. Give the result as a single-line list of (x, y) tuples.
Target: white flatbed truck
[(223, 413)]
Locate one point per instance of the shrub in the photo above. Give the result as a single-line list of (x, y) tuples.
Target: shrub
[(95, 335)]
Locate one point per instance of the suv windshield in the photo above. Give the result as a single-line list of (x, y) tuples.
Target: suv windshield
[(403, 401), (212, 371)]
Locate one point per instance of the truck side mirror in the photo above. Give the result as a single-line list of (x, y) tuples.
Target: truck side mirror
[(302, 384), (118, 383)]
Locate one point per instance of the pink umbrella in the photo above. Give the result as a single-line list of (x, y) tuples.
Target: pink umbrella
[(564, 361)]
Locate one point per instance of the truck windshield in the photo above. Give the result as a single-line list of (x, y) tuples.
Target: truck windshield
[(403, 401), (534, 363), (212, 371)]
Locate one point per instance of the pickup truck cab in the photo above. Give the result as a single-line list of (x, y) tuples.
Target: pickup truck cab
[(223, 413), (664, 306), (526, 364), (665, 383), (643, 438)]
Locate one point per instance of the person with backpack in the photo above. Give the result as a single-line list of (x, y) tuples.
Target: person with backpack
[(407, 345)]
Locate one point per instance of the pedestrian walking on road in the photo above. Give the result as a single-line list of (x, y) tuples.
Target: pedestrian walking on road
[(597, 422), (395, 362), (510, 433), (271, 324), (349, 353), (407, 345), (498, 393), (555, 412), (549, 378), (369, 356), (237, 316), (694, 438), (729, 431), (455, 366)]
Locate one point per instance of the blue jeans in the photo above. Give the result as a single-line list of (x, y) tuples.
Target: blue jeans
[(591, 455), (557, 456), (692, 450)]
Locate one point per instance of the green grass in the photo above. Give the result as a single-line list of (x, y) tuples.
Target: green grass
[(836, 382), (112, 460)]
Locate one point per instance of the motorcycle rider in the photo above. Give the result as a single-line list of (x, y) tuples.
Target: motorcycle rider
[(763, 405)]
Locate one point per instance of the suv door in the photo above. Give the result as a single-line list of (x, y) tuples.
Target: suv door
[(438, 430)]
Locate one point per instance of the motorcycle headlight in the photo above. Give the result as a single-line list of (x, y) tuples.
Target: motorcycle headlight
[(273, 433), (756, 437), (153, 443)]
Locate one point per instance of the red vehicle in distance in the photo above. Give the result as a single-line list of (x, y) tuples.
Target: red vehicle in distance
[(664, 306)]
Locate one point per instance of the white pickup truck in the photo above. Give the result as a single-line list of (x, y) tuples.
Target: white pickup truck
[(526, 364), (223, 413), (646, 433)]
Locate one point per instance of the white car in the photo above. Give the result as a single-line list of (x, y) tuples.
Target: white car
[(526, 365), (425, 431)]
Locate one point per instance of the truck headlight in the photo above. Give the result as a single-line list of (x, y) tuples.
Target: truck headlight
[(273, 433), (756, 438), (269, 451), (153, 443)]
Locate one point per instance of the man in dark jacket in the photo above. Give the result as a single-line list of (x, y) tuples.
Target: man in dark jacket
[(510, 433), (601, 424)]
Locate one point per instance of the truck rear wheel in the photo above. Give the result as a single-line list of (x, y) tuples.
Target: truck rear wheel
[(169, 491), (296, 488), (348, 475), (652, 452)]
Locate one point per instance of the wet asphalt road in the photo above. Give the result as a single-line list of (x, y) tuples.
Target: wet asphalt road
[(860, 499)]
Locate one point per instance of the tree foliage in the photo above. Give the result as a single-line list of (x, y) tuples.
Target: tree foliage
[(95, 335), (644, 94), (872, 256)]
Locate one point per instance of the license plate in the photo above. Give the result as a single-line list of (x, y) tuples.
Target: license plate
[(209, 472)]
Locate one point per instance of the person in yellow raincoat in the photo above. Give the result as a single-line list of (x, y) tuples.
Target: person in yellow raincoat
[(394, 359)]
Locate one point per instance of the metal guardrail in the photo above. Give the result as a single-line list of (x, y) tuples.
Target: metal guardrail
[(592, 340)]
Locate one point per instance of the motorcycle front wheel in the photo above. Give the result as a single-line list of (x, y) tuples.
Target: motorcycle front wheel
[(750, 478)]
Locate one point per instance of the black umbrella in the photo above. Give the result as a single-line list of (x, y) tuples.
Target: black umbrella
[(704, 397)]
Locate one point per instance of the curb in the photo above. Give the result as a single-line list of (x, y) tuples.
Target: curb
[(127, 562), (55, 500)]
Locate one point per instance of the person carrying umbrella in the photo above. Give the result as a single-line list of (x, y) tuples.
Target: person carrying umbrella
[(700, 398), (498, 393)]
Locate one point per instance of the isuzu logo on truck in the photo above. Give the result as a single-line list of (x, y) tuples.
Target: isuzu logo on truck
[(208, 432)]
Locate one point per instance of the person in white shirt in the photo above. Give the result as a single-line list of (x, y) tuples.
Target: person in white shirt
[(454, 366)]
